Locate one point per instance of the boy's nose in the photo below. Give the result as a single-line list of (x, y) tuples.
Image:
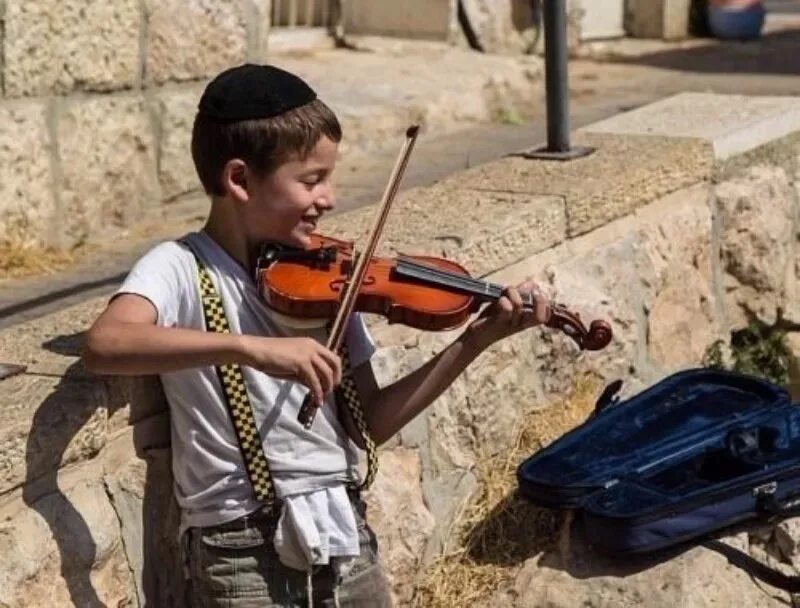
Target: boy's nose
[(327, 198)]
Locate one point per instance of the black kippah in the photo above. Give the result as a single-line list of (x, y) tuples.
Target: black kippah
[(253, 91)]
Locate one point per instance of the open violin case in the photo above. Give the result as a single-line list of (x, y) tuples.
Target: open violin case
[(697, 452)]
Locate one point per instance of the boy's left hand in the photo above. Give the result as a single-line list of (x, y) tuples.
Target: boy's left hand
[(508, 316)]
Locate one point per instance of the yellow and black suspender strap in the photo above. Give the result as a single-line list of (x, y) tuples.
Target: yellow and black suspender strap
[(235, 393), (241, 410), (347, 393)]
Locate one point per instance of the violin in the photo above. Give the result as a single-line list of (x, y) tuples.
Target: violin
[(329, 281), (422, 292)]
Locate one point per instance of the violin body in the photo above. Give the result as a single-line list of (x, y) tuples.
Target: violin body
[(310, 287), (423, 292)]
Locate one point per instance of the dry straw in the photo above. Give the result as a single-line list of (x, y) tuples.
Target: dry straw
[(21, 260), (496, 532)]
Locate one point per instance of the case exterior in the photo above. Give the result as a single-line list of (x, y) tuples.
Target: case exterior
[(696, 452)]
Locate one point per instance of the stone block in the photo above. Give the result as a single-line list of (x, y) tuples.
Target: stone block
[(445, 496), (407, 18), (64, 45), (259, 26), (176, 172), (479, 87), (585, 284), (63, 548), (481, 230), (58, 413), (577, 575), (27, 196), (192, 39), (400, 518), (757, 243), (50, 423), (667, 19), (502, 27), (107, 152), (683, 315), (731, 124), (140, 491), (644, 18), (605, 185)]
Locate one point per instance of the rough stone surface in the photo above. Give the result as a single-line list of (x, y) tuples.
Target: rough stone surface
[(398, 512), (50, 423), (482, 230), (629, 267), (478, 88), (176, 170), (576, 575), (605, 185), (27, 200), (107, 152), (429, 19), (63, 548), (141, 494), (57, 413), (786, 537), (757, 212), (586, 284), (667, 19), (63, 45), (732, 124), (194, 39), (503, 27), (682, 318)]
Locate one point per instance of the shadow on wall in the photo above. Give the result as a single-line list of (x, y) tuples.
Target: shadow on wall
[(516, 530), (775, 53), (148, 516)]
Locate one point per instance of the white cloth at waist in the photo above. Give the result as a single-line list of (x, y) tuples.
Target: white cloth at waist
[(315, 526)]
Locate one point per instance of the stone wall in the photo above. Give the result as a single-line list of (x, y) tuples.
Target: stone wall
[(672, 244), (97, 102)]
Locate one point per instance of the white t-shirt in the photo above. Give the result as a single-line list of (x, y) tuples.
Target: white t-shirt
[(211, 483)]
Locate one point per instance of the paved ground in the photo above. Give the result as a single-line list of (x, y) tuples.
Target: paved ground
[(608, 78)]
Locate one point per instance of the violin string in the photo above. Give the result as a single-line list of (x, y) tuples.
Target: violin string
[(423, 272)]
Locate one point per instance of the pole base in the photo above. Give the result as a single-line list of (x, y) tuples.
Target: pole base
[(545, 154)]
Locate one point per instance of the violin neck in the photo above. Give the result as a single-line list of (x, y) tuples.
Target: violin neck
[(484, 291)]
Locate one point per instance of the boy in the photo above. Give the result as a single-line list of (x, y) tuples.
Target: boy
[(265, 148)]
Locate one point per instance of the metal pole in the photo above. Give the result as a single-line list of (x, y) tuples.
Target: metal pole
[(557, 87), (556, 75)]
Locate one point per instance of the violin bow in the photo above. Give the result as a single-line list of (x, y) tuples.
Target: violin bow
[(308, 410)]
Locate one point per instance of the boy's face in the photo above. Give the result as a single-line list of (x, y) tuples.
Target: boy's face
[(285, 205)]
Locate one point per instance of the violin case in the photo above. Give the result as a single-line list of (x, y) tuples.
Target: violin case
[(697, 452)]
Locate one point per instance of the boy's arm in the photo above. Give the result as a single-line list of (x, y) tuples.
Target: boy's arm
[(125, 340), (389, 409)]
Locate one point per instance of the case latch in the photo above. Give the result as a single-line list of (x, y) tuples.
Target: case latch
[(765, 498), (608, 397)]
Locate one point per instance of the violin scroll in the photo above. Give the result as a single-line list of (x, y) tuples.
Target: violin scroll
[(597, 337)]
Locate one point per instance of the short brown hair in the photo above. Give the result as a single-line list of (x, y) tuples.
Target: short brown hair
[(263, 143)]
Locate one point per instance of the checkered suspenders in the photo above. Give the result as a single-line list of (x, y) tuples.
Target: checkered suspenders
[(347, 393), (235, 392), (241, 410)]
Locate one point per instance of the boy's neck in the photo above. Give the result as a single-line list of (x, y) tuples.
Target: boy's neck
[(225, 228)]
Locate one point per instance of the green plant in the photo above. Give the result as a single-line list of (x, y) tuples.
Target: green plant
[(757, 350), (713, 358)]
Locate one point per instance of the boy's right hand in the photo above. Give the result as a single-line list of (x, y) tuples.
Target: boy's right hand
[(303, 360)]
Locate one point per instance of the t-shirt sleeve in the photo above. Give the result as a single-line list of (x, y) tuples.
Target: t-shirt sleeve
[(359, 341), (162, 276)]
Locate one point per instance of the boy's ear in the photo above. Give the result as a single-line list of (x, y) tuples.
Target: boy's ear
[(234, 180)]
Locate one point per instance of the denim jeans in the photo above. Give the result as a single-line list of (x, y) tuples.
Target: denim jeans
[(234, 565)]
